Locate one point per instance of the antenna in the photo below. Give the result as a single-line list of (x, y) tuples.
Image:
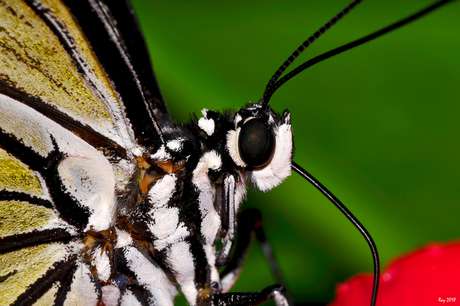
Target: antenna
[(273, 84), (353, 219)]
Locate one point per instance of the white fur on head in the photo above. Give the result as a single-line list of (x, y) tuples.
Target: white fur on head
[(279, 167), (232, 146)]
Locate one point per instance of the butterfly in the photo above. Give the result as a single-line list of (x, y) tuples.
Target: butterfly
[(76, 166)]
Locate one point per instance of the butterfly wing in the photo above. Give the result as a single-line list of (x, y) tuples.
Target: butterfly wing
[(73, 111), (114, 33), (134, 44)]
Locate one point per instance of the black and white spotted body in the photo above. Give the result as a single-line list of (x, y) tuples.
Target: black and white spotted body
[(184, 212)]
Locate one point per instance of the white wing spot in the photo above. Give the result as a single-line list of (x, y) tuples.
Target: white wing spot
[(82, 288)]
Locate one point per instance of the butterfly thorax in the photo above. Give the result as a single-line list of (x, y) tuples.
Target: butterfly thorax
[(183, 201), (178, 213)]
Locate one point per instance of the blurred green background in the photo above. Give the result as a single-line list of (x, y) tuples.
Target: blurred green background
[(378, 125)]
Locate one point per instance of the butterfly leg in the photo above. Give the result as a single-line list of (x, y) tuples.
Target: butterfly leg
[(250, 224), (275, 292)]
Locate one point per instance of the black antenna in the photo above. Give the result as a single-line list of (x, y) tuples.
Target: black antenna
[(356, 223), (305, 44), (273, 85)]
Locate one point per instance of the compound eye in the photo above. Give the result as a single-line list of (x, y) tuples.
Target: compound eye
[(256, 143)]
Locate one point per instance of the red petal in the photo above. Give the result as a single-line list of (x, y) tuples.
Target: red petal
[(426, 276)]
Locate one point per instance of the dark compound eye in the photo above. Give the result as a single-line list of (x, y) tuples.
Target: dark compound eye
[(256, 143)]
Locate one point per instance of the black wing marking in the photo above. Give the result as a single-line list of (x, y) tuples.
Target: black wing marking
[(131, 33), (106, 26), (85, 132)]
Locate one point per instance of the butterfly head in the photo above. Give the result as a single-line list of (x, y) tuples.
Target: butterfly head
[(262, 143)]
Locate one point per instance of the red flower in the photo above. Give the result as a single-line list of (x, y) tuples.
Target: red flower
[(426, 276)]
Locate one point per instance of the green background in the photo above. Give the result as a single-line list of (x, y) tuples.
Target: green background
[(378, 125)]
